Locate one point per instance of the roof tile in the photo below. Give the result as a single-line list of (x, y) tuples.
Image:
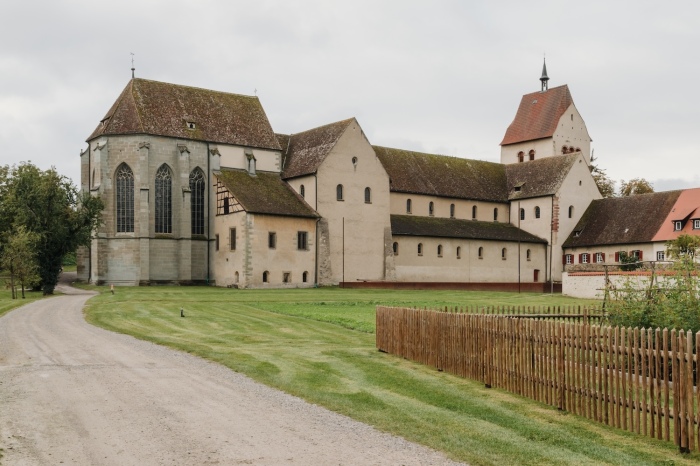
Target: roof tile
[(540, 177), (439, 175), (306, 151), (438, 227), (538, 115), (162, 109), (265, 193), (622, 220)]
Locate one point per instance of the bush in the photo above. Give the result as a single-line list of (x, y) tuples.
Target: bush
[(672, 303)]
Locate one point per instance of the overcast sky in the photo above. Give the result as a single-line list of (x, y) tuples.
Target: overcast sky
[(441, 76)]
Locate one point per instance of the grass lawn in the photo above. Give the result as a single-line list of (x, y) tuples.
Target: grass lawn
[(7, 303), (319, 344)]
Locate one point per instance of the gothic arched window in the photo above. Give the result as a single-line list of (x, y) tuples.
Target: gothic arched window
[(339, 192), (125, 199), (164, 201), (197, 201)]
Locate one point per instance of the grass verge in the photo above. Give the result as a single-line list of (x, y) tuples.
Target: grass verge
[(7, 303), (319, 345)]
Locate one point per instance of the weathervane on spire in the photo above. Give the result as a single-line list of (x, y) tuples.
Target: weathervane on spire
[(544, 78), (132, 65)]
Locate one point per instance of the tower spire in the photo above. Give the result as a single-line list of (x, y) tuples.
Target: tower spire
[(544, 78)]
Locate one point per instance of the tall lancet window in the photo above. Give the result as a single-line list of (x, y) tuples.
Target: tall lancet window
[(197, 201), (164, 201), (125, 199)]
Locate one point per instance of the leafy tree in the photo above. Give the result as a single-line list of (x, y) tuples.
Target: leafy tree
[(605, 184), (684, 245), (48, 205), (635, 186), (19, 258), (672, 302)]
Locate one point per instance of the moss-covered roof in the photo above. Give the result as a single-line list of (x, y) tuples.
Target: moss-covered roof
[(541, 177), (439, 175), (437, 227), (622, 220), (162, 109), (306, 151), (265, 193)]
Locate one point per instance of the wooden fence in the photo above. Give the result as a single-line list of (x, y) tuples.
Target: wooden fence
[(560, 313), (643, 381)]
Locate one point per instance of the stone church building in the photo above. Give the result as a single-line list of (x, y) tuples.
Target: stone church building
[(198, 188)]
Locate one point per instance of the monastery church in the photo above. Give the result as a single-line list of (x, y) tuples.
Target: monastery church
[(198, 188)]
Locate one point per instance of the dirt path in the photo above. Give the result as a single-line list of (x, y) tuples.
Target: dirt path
[(71, 393)]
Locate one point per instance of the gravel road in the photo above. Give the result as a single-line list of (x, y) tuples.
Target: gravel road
[(71, 393)]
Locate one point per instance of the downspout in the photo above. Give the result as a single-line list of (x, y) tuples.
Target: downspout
[(89, 156), (519, 217), (316, 255), (317, 220), (208, 214), (551, 248)]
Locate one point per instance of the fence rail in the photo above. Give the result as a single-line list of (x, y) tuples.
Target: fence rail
[(640, 380), (562, 313)]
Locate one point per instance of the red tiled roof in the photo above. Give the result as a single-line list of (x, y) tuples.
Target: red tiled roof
[(686, 209), (162, 109), (538, 115), (306, 151)]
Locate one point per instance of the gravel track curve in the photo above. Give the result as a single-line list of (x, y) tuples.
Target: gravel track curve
[(72, 393)]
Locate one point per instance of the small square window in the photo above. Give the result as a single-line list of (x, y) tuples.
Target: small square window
[(584, 258), (677, 225), (696, 224), (660, 255), (286, 277), (569, 258)]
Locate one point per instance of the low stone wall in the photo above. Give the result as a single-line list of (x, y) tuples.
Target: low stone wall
[(512, 287), (592, 284)]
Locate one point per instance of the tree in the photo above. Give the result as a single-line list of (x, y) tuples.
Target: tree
[(683, 246), (635, 186), (673, 301), (605, 184), (48, 205), (19, 258)]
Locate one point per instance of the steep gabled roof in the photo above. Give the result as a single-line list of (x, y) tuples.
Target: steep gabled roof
[(686, 209), (265, 193), (306, 151), (622, 220), (162, 109), (437, 227), (541, 177), (439, 175), (538, 115)]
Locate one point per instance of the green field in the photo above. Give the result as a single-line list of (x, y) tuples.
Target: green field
[(319, 344), (7, 303)]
